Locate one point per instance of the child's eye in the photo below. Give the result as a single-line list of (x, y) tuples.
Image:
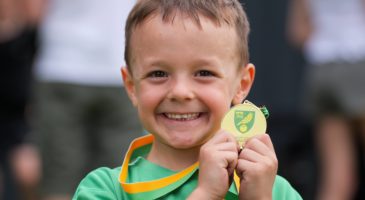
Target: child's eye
[(204, 73), (157, 74)]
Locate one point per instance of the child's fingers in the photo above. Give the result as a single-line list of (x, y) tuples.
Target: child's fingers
[(260, 147), (220, 142), (266, 162), (222, 136), (227, 146), (226, 151), (232, 164), (265, 138), (220, 151), (250, 155), (231, 160), (229, 156), (243, 166), (256, 168)]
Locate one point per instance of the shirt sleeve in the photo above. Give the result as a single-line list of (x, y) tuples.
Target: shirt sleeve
[(98, 184), (284, 191)]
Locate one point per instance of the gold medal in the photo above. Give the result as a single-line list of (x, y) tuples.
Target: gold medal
[(244, 121)]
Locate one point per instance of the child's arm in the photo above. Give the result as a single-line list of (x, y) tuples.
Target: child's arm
[(218, 159), (257, 167)]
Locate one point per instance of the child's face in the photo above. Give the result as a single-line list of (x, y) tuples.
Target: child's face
[(184, 78)]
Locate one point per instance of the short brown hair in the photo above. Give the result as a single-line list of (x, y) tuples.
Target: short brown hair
[(229, 12)]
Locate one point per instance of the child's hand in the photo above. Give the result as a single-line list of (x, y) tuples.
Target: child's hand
[(218, 159), (257, 167)]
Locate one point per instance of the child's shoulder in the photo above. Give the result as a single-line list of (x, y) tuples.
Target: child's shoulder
[(104, 174), (283, 190), (101, 183)]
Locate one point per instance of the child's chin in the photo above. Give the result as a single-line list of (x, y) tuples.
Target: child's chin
[(185, 144)]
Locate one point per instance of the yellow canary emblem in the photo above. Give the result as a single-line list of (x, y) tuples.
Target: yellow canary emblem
[(244, 121)]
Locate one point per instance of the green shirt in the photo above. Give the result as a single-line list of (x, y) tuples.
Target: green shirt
[(104, 184)]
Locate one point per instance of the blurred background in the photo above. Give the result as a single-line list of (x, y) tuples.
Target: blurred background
[(309, 56), (64, 111), (60, 65)]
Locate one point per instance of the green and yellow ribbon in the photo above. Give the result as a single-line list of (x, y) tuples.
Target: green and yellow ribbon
[(155, 188)]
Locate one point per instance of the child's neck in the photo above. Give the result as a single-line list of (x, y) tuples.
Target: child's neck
[(171, 158)]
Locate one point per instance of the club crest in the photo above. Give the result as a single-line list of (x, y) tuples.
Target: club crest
[(244, 120)]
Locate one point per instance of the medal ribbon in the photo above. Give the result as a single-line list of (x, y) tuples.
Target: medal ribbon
[(155, 188), (159, 187)]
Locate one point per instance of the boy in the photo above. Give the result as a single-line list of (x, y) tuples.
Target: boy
[(187, 63)]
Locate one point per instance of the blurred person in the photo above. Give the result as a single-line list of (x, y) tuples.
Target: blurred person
[(331, 34), (18, 23), (82, 116)]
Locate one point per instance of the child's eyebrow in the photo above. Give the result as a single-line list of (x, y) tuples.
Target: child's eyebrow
[(158, 63), (211, 61), (193, 62)]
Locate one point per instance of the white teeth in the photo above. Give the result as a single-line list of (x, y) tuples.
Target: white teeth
[(182, 117)]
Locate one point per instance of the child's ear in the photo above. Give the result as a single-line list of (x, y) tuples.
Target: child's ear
[(247, 75), (129, 85)]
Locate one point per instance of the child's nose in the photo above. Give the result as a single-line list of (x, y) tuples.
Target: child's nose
[(181, 90)]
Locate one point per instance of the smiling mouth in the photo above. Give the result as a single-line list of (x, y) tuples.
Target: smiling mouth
[(182, 117)]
